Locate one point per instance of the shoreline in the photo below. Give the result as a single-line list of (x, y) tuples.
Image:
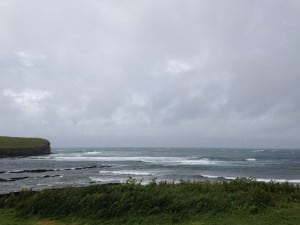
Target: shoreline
[(143, 183)]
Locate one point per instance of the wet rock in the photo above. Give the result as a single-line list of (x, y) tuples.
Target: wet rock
[(13, 179)]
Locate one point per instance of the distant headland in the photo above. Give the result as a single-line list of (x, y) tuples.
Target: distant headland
[(20, 146)]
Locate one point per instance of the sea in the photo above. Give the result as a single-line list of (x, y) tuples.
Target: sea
[(88, 166)]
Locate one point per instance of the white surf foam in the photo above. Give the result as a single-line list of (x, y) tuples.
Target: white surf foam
[(203, 161), (127, 172), (295, 181), (92, 153), (250, 159), (267, 180), (147, 159), (209, 176), (259, 150), (108, 180), (230, 178), (215, 177)]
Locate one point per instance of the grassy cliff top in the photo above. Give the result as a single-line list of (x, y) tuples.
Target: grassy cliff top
[(21, 142)]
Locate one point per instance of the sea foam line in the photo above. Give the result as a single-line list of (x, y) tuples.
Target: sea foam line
[(146, 159), (266, 180), (126, 172), (251, 159)]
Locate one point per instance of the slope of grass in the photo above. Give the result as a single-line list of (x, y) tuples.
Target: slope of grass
[(17, 146), (236, 202), (20, 142)]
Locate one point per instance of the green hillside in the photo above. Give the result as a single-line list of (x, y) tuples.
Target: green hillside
[(20, 146)]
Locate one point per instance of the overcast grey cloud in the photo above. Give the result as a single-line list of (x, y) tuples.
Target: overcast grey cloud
[(151, 73)]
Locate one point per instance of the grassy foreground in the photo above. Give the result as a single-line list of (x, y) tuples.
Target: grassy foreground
[(235, 202)]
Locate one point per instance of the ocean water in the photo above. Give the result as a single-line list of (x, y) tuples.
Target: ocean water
[(84, 166)]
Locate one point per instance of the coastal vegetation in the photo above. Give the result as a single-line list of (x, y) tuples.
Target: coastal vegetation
[(241, 201), (20, 146)]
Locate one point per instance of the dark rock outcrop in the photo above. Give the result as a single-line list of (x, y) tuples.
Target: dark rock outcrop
[(43, 150)]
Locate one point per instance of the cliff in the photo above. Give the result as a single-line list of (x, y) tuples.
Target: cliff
[(19, 146)]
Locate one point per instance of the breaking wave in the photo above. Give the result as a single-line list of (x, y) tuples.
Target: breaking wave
[(259, 150), (108, 180), (126, 172), (293, 181), (250, 159), (266, 180), (145, 159)]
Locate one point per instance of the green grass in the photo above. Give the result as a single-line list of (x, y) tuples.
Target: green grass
[(20, 142), (10, 217), (236, 202), (17, 146), (284, 215)]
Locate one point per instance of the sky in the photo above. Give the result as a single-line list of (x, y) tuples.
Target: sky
[(196, 73)]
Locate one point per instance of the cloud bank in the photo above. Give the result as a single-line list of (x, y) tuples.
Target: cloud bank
[(151, 73)]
